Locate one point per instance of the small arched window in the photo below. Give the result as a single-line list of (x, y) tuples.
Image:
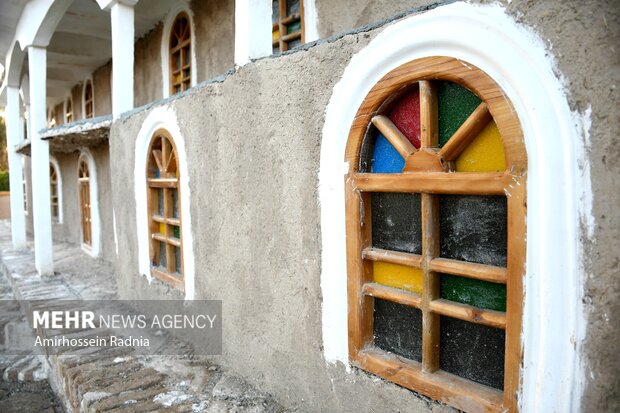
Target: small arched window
[(85, 202), (69, 110), (89, 111), (54, 192), (180, 43), (435, 212), (164, 210)]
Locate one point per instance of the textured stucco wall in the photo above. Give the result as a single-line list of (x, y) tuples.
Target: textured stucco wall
[(215, 37), (147, 67), (76, 96), (335, 17), (102, 85), (253, 155)]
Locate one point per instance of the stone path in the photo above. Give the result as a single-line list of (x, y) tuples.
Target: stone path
[(109, 380)]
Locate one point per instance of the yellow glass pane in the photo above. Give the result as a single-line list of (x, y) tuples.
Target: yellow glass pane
[(484, 154), (398, 276), (162, 228), (275, 35)]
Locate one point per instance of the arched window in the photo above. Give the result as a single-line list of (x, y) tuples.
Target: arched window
[(55, 191), (164, 210), (69, 110), (180, 58), (89, 110), (85, 201), (435, 213)]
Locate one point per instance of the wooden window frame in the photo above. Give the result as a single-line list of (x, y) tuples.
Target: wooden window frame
[(166, 183), (89, 100), (284, 38), (431, 179), (183, 47), (85, 202)]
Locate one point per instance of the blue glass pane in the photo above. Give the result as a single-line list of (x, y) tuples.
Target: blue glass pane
[(385, 159)]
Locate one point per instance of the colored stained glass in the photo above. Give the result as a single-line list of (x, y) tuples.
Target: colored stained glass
[(398, 329), (405, 114), (385, 158), (398, 276), (396, 222), (472, 351), (484, 154), (478, 293), (176, 231), (456, 103), (293, 27), (474, 228), (162, 229)]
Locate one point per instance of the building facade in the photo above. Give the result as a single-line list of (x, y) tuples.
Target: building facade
[(418, 191)]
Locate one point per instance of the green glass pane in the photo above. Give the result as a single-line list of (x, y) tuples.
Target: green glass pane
[(456, 103), (293, 27), (177, 232), (481, 294)]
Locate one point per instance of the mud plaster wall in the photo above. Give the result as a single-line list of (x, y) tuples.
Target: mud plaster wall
[(256, 217), (336, 17), (215, 37), (102, 85), (76, 97), (147, 67), (59, 112)]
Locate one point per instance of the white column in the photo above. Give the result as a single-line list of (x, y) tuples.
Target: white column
[(122, 16), (252, 30), (40, 165), (13, 134)]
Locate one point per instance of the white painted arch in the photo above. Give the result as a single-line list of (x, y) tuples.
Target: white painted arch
[(175, 10), (95, 216), (163, 117), (558, 184)]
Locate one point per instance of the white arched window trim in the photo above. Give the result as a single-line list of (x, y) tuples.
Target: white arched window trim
[(559, 192), (92, 84), (179, 7), (56, 166), (95, 217), (163, 118)]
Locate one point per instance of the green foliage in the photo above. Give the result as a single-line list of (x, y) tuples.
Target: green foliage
[(4, 180)]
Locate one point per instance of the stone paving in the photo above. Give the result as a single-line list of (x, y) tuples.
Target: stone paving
[(108, 380)]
